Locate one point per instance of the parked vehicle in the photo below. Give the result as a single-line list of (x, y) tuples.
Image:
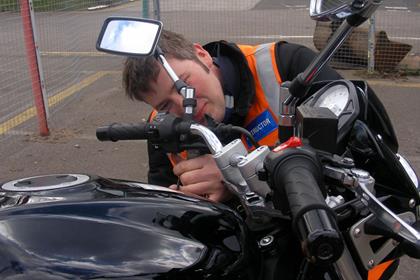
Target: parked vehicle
[(334, 200)]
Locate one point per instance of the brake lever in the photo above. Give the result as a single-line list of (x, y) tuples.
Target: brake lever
[(361, 183), (384, 214)]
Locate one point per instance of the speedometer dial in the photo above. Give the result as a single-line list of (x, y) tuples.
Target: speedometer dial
[(335, 99)]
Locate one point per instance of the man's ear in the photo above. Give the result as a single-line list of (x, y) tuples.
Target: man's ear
[(203, 55)]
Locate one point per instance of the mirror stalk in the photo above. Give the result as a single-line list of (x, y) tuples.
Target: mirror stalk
[(303, 80), (299, 85), (297, 88), (189, 103), (161, 58)]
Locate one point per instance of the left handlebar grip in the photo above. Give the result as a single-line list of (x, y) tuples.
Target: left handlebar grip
[(117, 131)]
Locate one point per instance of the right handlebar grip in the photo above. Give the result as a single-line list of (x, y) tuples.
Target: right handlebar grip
[(300, 186), (296, 175), (116, 132)]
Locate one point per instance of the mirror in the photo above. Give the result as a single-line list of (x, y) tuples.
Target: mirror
[(332, 10), (129, 36)]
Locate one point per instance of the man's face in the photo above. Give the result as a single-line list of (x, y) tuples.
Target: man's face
[(208, 90)]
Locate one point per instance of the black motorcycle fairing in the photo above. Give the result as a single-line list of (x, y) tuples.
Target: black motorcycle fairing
[(378, 119), (371, 153), (109, 228)]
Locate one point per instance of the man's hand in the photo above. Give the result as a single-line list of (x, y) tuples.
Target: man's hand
[(201, 176)]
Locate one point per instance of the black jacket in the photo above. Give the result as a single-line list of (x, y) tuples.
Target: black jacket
[(291, 59)]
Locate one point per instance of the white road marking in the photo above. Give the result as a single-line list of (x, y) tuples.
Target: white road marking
[(396, 8), (296, 6)]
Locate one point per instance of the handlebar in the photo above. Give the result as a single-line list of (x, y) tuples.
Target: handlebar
[(165, 129), (116, 132), (295, 176)]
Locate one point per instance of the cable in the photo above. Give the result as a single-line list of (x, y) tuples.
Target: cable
[(247, 134), (223, 129)]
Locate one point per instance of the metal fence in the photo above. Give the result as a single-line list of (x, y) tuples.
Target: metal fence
[(395, 31), (66, 32)]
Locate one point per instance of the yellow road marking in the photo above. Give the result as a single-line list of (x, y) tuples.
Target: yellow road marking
[(77, 87), (53, 100), (19, 119)]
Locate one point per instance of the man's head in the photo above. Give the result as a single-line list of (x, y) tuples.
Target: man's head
[(145, 79)]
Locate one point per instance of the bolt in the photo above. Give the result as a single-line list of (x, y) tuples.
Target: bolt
[(250, 194), (356, 232), (371, 264), (365, 196), (358, 4), (347, 160), (265, 241), (412, 203)]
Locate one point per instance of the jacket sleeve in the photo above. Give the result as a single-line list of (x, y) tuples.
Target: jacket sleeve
[(160, 168), (293, 59)]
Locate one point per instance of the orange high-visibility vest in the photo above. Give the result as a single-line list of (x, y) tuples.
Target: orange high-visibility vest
[(262, 120)]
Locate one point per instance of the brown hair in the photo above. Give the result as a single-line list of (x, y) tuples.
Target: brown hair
[(138, 73)]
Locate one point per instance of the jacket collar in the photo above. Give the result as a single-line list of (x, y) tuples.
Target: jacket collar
[(244, 95)]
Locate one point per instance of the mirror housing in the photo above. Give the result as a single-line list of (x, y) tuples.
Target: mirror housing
[(331, 10), (129, 36)]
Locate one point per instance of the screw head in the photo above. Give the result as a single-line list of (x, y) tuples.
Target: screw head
[(371, 263), (412, 203), (356, 232), (265, 241)]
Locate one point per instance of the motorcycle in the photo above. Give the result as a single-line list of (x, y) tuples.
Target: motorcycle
[(334, 200)]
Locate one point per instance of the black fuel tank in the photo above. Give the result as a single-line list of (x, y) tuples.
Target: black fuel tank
[(78, 226)]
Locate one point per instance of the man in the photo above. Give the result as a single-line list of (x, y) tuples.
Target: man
[(234, 84)]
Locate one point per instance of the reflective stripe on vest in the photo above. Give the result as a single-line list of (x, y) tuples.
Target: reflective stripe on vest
[(267, 74), (262, 119)]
